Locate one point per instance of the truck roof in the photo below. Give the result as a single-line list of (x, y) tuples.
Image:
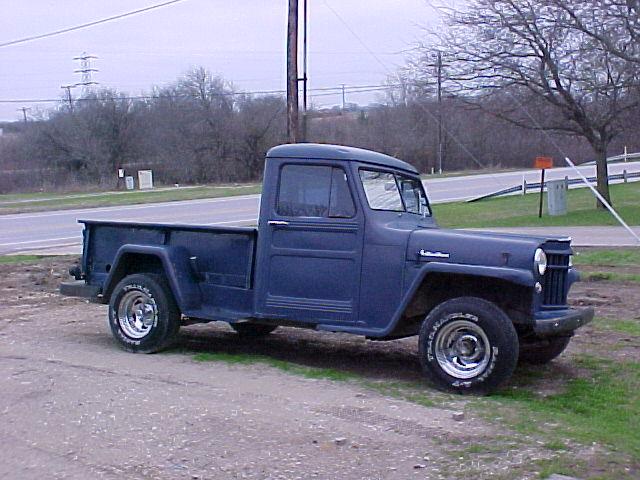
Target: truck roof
[(319, 151)]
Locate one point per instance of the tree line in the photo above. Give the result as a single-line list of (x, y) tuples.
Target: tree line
[(521, 78)]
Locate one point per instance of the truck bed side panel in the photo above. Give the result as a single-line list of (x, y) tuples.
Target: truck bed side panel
[(221, 268)]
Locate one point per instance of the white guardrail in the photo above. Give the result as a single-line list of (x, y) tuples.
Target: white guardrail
[(525, 186)]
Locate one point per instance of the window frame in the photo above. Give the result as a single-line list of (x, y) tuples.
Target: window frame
[(331, 167), (395, 175)]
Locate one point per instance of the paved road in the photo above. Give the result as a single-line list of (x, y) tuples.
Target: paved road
[(44, 230), (59, 229), (463, 188)]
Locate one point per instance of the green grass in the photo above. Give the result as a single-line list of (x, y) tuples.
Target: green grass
[(608, 257), (602, 408), (43, 201), (288, 367), (555, 445), (415, 393), (522, 210), (562, 465), (610, 277), (10, 259), (628, 327)]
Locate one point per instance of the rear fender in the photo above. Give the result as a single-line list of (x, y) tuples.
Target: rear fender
[(176, 269)]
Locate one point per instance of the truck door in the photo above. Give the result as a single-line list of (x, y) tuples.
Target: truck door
[(311, 236)]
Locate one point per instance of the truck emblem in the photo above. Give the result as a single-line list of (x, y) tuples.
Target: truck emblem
[(427, 253)]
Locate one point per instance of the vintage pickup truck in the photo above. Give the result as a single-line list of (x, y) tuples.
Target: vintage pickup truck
[(346, 242)]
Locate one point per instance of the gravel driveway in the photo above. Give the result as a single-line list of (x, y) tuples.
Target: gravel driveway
[(73, 405)]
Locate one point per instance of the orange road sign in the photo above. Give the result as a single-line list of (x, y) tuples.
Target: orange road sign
[(543, 162)]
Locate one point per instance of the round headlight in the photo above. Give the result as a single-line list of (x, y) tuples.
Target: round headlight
[(540, 261)]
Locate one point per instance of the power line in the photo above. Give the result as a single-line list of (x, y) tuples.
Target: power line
[(431, 115), (89, 24), (324, 91), (356, 36)]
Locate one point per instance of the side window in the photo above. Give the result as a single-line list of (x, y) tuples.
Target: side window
[(314, 191), (381, 190)]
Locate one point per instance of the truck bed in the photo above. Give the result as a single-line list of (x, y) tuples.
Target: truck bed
[(216, 259)]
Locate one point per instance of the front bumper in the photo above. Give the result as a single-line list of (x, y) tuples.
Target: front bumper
[(558, 322), (80, 288)]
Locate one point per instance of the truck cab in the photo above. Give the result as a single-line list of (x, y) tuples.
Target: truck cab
[(346, 242)]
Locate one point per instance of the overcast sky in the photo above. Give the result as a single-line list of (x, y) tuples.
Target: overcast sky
[(243, 41)]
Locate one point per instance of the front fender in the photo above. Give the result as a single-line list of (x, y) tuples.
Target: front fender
[(176, 266), (513, 275)]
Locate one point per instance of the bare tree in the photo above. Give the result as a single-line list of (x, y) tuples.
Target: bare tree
[(525, 62), (614, 24)]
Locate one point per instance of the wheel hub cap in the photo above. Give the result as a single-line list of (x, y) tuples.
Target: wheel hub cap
[(462, 349), (137, 313)]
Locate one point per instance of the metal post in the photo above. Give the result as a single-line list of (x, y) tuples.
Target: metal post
[(24, 113), (69, 99), (304, 73), (439, 74), (292, 72), (541, 194), (524, 185)]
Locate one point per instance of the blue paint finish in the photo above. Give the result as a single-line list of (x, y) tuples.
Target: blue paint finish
[(308, 267), (317, 151), (322, 258), (175, 263)]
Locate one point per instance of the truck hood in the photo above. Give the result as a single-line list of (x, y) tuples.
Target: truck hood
[(480, 248)]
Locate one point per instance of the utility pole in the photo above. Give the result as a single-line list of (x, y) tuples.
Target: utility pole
[(69, 99), (344, 98), (24, 113), (304, 73), (292, 72), (440, 139)]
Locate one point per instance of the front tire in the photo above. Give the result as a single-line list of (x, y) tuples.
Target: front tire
[(468, 345), (143, 315)]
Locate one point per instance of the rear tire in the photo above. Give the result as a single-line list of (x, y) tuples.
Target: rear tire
[(543, 351), (253, 330), (468, 345), (143, 314)]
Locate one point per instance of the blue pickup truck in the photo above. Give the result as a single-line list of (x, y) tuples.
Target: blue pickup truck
[(346, 242)]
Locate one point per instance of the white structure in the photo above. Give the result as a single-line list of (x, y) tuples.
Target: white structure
[(145, 179), (557, 197)]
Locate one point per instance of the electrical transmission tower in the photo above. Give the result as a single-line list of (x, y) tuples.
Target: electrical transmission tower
[(86, 70)]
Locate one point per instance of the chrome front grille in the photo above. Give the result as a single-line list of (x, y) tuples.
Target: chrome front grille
[(555, 287)]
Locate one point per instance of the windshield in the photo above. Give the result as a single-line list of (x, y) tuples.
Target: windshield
[(394, 192)]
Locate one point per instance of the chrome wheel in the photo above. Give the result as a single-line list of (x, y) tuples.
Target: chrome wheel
[(137, 314), (462, 349)]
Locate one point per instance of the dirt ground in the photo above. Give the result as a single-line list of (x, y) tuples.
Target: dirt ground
[(73, 405)]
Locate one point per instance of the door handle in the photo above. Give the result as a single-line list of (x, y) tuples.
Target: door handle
[(277, 222)]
